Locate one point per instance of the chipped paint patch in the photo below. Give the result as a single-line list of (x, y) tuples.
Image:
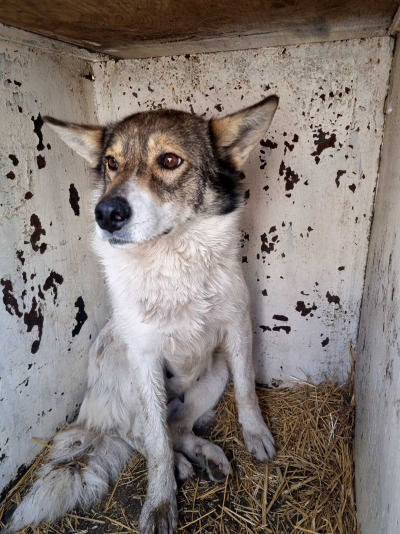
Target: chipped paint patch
[(303, 309), (14, 159), (74, 199), (41, 162), (81, 316), (290, 177), (9, 300), (38, 123), (34, 318), (37, 234), (52, 281), (322, 141)]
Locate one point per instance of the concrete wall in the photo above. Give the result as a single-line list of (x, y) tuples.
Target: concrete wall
[(378, 348), (309, 188), (50, 287)]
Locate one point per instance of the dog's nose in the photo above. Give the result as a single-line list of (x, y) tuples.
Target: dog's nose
[(112, 214)]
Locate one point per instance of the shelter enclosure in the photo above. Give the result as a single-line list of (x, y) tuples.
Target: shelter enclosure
[(320, 242)]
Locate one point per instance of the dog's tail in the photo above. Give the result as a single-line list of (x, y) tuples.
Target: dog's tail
[(81, 465)]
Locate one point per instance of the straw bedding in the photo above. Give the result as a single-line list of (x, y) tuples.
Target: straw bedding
[(309, 487)]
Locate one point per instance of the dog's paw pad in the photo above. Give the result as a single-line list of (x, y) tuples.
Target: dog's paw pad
[(215, 462), (217, 471)]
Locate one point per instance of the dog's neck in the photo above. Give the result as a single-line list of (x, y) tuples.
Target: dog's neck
[(196, 241)]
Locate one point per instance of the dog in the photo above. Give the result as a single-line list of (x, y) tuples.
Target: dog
[(167, 207)]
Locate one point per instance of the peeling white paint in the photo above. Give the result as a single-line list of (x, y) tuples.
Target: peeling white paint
[(45, 265)]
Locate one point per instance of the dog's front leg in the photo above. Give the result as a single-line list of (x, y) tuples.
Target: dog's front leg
[(257, 437), (159, 513)]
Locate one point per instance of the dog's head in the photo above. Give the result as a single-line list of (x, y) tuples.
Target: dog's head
[(159, 169)]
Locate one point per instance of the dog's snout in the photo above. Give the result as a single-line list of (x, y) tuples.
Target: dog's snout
[(112, 214)]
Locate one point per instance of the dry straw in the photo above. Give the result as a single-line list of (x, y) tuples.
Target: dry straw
[(308, 489)]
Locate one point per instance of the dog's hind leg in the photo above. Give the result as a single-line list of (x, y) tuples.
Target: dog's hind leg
[(197, 402), (90, 454), (81, 465)]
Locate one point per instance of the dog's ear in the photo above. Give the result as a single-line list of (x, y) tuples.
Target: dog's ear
[(236, 135), (87, 141)]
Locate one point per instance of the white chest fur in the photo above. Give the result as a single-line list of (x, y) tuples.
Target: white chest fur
[(174, 295)]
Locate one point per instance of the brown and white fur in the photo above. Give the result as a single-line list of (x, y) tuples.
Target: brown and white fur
[(167, 237)]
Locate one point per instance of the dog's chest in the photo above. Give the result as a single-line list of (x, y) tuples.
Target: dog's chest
[(178, 305)]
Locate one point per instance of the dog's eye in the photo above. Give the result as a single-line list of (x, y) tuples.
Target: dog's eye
[(112, 163), (170, 161)]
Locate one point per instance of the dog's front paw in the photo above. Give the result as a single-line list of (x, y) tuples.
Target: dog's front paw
[(159, 519), (260, 442)]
